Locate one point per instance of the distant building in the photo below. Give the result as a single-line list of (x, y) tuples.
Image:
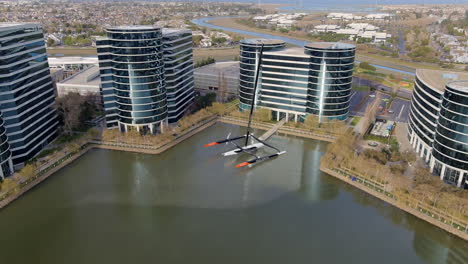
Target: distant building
[(27, 95), (381, 16), (326, 28), (57, 40), (438, 124), (296, 82), (85, 82), (221, 78)]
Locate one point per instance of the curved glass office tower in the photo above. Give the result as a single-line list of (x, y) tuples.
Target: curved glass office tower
[(27, 98), (249, 53), (330, 79), (132, 78), (450, 148), (6, 163), (295, 82), (438, 124)]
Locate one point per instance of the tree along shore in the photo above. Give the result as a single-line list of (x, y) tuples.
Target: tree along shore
[(424, 197)]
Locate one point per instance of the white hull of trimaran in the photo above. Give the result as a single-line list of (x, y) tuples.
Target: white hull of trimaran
[(246, 148)]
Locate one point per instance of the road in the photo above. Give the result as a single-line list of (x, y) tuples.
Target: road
[(204, 22), (404, 93)]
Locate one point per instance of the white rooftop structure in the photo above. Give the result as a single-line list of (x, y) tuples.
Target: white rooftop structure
[(72, 63), (348, 31), (362, 26), (380, 16), (18, 24), (85, 82)]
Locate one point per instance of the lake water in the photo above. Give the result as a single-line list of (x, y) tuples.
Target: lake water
[(190, 205)]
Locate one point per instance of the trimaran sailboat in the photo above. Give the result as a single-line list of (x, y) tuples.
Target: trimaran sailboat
[(250, 149)]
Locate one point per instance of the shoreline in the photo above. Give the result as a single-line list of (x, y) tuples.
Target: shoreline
[(69, 158), (201, 127), (417, 213)]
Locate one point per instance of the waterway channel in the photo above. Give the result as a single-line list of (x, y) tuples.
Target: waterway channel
[(190, 205), (205, 22)]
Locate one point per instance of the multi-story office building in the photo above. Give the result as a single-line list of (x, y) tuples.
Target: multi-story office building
[(26, 91), (178, 70), (295, 82), (6, 163), (438, 125), (132, 77), (136, 86)]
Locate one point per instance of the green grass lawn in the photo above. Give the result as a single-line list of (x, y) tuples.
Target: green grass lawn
[(355, 120)]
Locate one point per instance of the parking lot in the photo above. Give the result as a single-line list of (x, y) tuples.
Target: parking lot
[(400, 109)]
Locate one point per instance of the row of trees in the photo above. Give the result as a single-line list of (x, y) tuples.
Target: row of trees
[(389, 168), (75, 111), (33, 166), (203, 62), (169, 133), (366, 66)]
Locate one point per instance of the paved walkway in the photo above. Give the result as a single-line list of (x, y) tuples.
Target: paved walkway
[(273, 130), (401, 135)]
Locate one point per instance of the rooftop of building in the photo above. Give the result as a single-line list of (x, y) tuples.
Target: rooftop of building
[(292, 51), (262, 41), (167, 31), (228, 68), (133, 27), (89, 76), (461, 85), (330, 45), (437, 79), (72, 60), (16, 24)]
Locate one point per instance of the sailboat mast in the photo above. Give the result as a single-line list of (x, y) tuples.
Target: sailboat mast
[(252, 105)]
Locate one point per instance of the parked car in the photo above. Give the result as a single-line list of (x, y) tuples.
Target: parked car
[(373, 144)]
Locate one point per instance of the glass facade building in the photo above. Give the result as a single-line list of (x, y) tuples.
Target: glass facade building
[(26, 92), (295, 82), (6, 162), (178, 69), (132, 78), (140, 68), (438, 124)]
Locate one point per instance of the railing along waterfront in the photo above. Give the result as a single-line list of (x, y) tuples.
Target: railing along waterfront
[(184, 133), (51, 165), (405, 200), (41, 172), (283, 129)]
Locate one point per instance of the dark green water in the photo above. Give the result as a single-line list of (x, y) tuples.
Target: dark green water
[(190, 205)]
